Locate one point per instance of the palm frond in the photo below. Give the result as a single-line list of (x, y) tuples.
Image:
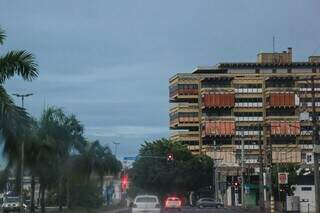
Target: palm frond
[(20, 63), (13, 121), (2, 36)]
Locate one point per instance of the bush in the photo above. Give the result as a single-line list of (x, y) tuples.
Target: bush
[(86, 195)]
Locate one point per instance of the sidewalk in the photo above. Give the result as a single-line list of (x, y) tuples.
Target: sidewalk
[(254, 209)]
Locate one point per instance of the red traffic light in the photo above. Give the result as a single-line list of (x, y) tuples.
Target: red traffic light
[(124, 182), (170, 157), (236, 184)]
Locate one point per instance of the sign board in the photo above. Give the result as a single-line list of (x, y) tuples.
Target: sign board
[(309, 158), (130, 158), (283, 177)]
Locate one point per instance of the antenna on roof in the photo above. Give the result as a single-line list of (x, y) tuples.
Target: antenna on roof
[(273, 44), (273, 49)]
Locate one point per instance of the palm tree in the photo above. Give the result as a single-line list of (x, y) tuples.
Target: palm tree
[(66, 135), (14, 119)]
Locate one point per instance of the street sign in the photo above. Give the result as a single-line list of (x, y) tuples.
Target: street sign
[(283, 177), (130, 158)]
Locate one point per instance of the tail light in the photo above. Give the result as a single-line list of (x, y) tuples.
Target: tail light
[(158, 205)]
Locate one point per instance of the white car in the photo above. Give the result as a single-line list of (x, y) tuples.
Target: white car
[(12, 204), (146, 203)]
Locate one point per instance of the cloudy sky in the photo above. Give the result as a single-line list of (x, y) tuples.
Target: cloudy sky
[(109, 61)]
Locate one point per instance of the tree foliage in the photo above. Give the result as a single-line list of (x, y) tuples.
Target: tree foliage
[(153, 173)]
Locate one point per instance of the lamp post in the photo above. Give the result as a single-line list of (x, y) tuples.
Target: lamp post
[(115, 148), (22, 96)]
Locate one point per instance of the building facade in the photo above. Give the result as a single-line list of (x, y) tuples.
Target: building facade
[(263, 104)]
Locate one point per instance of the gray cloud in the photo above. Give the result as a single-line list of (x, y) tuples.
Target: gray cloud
[(109, 61)]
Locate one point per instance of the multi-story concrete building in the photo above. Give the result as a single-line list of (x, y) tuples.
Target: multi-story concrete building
[(261, 101)]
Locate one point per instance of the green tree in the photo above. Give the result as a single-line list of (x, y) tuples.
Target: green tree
[(12, 117), (153, 173), (65, 134), (87, 168)]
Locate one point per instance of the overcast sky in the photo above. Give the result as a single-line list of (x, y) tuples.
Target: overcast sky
[(109, 62)]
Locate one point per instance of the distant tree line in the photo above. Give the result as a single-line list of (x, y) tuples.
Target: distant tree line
[(68, 167)]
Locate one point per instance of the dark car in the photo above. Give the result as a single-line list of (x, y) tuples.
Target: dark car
[(208, 202)]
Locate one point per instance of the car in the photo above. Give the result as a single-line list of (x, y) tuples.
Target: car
[(146, 203), (12, 204), (173, 203), (208, 202)]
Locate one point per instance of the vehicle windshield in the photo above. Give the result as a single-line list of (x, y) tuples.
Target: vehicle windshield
[(146, 200), (173, 199), (12, 199)]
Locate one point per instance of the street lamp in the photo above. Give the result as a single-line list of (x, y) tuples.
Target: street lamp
[(115, 148), (22, 96)]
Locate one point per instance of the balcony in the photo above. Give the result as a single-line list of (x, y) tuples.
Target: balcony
[(180, 120), (282, 100), (183, 92), (218, 100), (286, 155), (285, 128), (185, 136), (226, 158), (218, 128)]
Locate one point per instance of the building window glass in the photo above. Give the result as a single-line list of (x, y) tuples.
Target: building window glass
[(306, 188)]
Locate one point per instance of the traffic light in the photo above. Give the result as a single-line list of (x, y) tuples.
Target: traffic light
[(124, 182), (170, 157)]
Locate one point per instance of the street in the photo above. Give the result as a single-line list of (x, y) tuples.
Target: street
[(193, 209)]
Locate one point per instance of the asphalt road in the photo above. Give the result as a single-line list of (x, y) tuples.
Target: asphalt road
[(194, 210)]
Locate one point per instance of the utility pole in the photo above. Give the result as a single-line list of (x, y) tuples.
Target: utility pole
[(22, 96), (242, 168), (315, 141), (261, 182), (214, 172)]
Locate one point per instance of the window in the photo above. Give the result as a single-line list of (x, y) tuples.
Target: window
[(306, 188), (146, 200)]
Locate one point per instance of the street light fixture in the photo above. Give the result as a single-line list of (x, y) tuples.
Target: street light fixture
[(22, 96)]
